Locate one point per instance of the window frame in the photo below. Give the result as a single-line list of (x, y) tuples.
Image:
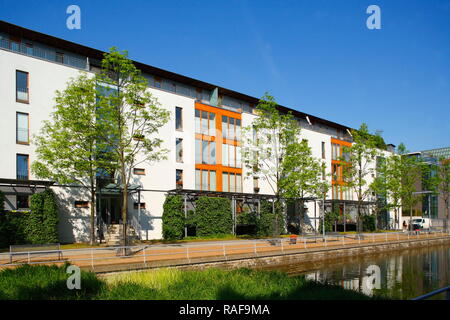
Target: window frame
[(17, 128), (180, 128), (27, 88), (17, 165)]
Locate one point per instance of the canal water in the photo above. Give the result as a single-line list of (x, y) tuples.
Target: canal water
[(401, 274)]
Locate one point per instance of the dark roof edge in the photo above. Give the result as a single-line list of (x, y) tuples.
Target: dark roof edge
[(51, 41)]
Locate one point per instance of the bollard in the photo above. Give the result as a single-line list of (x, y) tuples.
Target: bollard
[(282, 248), (304, 243), (187, 255), (145, 258), (256, 254), (224, 252), (386, 237), (359, 239)]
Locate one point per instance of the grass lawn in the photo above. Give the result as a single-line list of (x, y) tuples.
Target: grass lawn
[(49, 282)]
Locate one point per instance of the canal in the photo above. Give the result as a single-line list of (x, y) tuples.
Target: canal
[(401, 274)]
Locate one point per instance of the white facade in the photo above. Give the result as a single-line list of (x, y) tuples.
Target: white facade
[(45, 77)]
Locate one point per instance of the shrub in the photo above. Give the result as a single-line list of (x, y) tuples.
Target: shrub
[(173, 218), (213, 216), (42, 223), (368, 222), (269, 223)]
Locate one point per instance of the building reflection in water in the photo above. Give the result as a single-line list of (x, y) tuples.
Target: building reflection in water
[(401, 275)]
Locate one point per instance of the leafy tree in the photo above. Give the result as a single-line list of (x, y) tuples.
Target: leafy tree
[(443, 186), (302, 174), (67, 146), (273, 153), (439, 183), (395, 181), (131, 117), (357, 164)]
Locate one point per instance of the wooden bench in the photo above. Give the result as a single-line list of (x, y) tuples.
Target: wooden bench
[(28, 249)]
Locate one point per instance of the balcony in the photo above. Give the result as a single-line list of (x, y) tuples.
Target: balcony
[(42, 53)]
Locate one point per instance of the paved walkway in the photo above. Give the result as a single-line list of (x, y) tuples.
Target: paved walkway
[(109, 258)]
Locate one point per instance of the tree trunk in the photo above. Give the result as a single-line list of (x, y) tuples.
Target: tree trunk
[(92, 237), (124, 206)]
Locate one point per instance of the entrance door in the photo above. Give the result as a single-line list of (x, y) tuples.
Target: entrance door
[(110, 209)]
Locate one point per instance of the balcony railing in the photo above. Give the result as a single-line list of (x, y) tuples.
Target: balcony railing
[(22, 94), (43, 54)]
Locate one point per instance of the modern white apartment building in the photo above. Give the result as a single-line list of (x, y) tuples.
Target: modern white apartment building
[(203, 135)]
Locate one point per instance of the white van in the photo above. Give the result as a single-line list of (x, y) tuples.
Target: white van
[(421, 223)]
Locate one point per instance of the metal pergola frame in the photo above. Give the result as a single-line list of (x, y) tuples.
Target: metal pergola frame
[(254, 198)]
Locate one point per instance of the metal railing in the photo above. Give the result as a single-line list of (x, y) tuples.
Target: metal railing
[(42, 53), (148, 255), (435, 292)]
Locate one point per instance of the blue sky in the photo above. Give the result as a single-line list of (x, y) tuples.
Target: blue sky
[(315, 56)]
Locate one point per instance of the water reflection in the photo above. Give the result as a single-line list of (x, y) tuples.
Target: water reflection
[(397, 275)]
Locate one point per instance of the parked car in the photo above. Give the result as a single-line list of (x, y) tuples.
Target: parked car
[(421, 223)]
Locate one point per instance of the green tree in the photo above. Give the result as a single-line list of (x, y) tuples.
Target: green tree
[(395, 181), (357, 166), (268, 142), (132, 118), (173, 218), (67, 146), (438, 181), (302, 174)]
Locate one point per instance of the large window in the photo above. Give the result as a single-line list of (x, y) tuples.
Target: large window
[(178, 118), (231, 182), (179, 150), (22, 167), (205, 180), (205, 123), (231, 128), (335, 151), (22, 88), (205, 152), (22, 130)]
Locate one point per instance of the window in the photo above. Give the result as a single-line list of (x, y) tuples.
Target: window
[(225, 155), (178, 118), (335, 151), (22, 81), (29, 48), (205, 152), (179, 179), (139, 171), (179, 150), (22, 167), (59, 57), (22, 202), (231, 182), (137, 205), (205, 180), (225, 187), (323, 150), (225, 127), (157, 82), (81, 204), (22, 130)]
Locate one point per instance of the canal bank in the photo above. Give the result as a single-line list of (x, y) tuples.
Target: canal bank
[(306, 259)]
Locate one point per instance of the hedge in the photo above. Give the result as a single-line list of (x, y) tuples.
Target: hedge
[(173, 218), (213, 216), (39, 225)]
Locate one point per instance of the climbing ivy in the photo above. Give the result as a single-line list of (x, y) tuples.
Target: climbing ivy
[(173, 218), (213, 216)]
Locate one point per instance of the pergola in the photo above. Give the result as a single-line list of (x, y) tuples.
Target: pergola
[(347, 203), (253, 200), (23, 187)]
